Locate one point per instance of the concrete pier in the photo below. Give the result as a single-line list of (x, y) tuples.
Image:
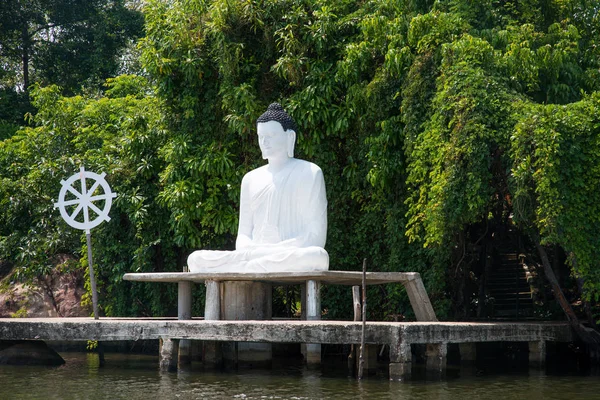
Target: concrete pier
[(168, 354), (537, 353), (468, 352), (400, 359), (436, 354), (397, 335), (246, 300)]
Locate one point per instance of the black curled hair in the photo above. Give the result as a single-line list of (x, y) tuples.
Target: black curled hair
[(276, 113)]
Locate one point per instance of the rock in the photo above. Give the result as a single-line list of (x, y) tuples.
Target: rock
[(30, 353), (56, 295)]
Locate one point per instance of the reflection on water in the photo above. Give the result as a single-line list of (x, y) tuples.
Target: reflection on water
[(137, 377)]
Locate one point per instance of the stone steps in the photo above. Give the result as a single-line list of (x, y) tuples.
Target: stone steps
[(509, 288)]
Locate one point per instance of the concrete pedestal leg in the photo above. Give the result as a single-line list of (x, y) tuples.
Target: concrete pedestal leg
[(184, 357), (184, 300), (212, 356), (184, 312), (313, 313), (247, 300), (419, 300), (468, 352), (168, 354), (436, 360), (212, 305), (400, 361), (537, 354)]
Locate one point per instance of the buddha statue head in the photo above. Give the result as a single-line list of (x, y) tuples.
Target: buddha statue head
[(276, 133)]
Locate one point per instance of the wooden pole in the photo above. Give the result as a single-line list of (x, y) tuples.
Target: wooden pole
[(356, 301), (361, 357)]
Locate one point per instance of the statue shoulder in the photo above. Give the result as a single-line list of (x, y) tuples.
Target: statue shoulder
[(309, 167), (254, 174)]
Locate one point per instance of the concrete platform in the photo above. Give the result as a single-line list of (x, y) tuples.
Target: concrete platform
[(230, 296), (398, 335)]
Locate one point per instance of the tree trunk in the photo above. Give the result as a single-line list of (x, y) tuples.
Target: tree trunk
[(484, 278), (558, 293), (580, 284), (586, 304), (25, 57), (588, 335)]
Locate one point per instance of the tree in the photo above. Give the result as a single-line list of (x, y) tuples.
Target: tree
[(71, 43)]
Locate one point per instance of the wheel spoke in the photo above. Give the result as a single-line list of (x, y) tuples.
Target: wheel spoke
[(75, 192), (71, 202), (77, 211), (99, 197), (83, 184), (94, 187), (95, 209)]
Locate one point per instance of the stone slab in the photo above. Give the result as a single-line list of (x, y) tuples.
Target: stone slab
[(279, 331), (349, 278)]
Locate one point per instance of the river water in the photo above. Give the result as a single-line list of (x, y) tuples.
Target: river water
[(137, 377)]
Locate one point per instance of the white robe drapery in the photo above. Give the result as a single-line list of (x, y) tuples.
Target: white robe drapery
[(283, 224)]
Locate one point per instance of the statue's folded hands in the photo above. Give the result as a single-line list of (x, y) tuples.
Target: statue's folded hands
[(283, 210)]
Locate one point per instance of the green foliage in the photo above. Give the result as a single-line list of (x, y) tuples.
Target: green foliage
[(20, 313), (91, 345), (7, 129), (119, 134), (450, 159), (13, 107), (556, 153)]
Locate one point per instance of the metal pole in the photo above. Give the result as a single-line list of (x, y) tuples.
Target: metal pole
[(88, 237), (92, 277)]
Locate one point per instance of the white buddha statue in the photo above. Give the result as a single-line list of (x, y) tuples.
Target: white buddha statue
[(283, 210)]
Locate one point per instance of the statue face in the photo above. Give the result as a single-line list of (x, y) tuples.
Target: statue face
[(272, 139)]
